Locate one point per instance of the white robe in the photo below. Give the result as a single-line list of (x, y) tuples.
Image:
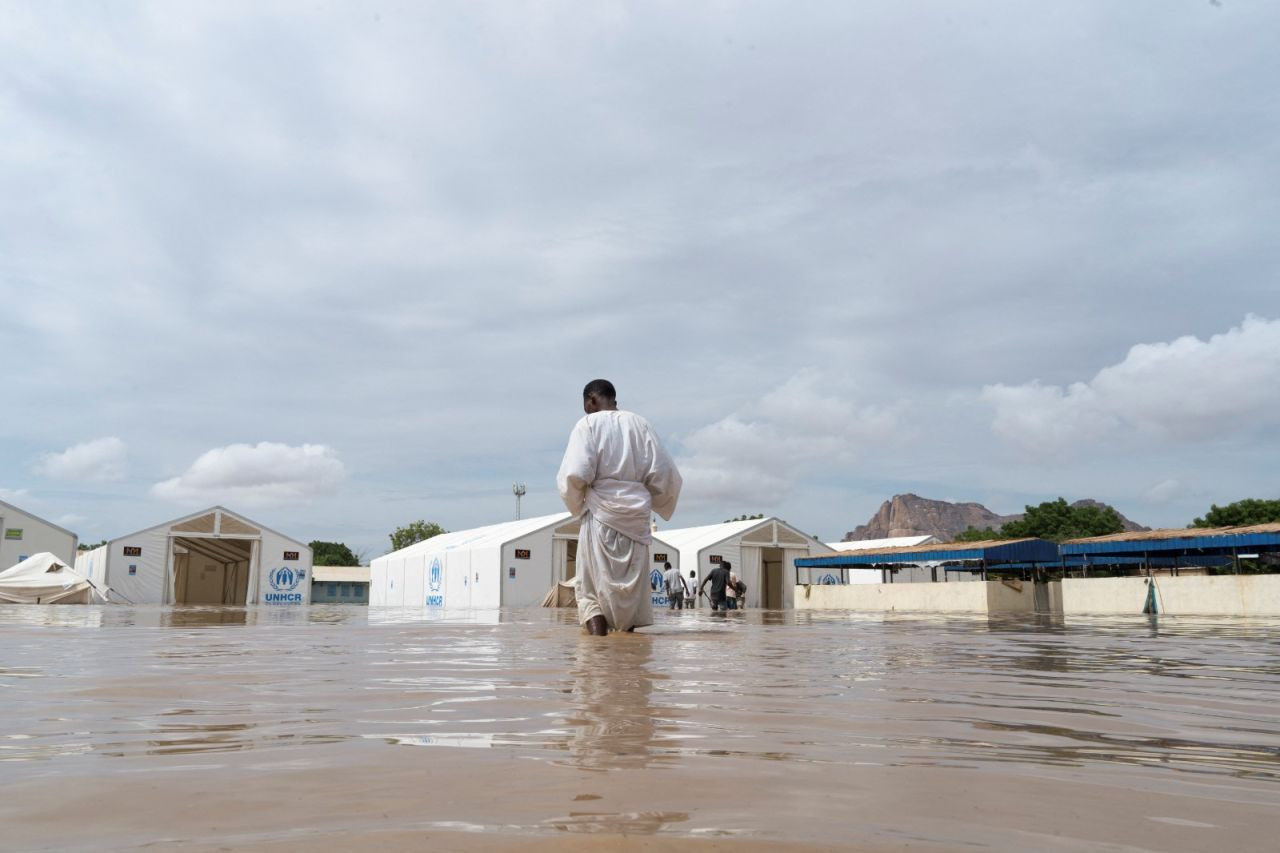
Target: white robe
[(614, 474)]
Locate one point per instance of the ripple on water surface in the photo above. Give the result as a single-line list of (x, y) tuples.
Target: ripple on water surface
[(1163, 699)]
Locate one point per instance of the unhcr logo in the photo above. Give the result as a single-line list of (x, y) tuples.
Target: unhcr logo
[(283, 579), (435, 579), (655, 579)]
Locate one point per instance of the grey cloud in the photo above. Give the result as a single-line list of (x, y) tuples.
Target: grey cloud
[(414, 232)]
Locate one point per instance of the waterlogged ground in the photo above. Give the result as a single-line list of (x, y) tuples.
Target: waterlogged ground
[(328, 728)]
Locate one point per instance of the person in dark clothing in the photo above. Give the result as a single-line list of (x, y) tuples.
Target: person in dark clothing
[(719, 579)]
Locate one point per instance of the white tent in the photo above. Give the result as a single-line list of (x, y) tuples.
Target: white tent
[(922, 572), (763, 552), (512, 564), (210, 557), (43, 579), (867, 576), (23, 535), (892, 542)]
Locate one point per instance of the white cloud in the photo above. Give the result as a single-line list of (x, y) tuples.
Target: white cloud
[(751, 459), (1186, 389), (69, 520), (100, 460), (13, 496), (263, 473)]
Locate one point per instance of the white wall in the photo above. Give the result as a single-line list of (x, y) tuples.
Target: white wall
[(534, 576), (37, 537), (988, 597), (656, 547), (147, 584), (1204, 595), (460, 566), (296, 592), (93, 565)]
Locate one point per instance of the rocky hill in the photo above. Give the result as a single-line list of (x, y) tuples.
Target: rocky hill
[(912, 515)]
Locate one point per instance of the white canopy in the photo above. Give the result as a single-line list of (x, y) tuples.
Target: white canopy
[(43, 579), (894, 542)]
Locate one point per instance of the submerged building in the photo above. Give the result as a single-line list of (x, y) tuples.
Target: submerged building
[(762, 551), (340, 585), (511, 564), (24, 535), (214, 556)]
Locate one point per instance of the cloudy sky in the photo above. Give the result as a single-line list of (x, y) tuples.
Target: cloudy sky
[(341, 266)]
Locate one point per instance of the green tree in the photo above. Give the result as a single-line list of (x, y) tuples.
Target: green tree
[(403, 537), (1058, 520), (973, 534), (1247, 511), (332, 554), (87, 546), (745, 518)]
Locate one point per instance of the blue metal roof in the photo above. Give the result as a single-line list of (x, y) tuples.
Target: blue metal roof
[(1192, 543), (992, 553)]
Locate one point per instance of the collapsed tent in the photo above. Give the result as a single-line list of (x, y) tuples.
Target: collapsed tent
[(563, 594), (43, 579)]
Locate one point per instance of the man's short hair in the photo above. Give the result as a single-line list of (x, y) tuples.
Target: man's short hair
[(725, 564), (602, 388), (668, 565)]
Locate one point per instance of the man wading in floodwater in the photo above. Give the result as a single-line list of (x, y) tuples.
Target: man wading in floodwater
[(614, 474)]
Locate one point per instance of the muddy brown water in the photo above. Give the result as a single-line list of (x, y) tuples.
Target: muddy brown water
[(339, 727)]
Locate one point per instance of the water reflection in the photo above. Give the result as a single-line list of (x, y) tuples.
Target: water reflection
[(1181, 697), (612, 715)]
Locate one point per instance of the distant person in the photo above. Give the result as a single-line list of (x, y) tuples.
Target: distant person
[(675, 588), (615, 473), (691, 590), (719, 580), (735, 593)]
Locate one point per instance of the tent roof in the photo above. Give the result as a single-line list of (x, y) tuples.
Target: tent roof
[(991, 551), (892, 542), (38, 518), (698, 538), (492, 536), (216, 508), (1199, 539), (707, 535), (40, 570)]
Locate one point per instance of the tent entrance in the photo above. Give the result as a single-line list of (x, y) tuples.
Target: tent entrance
[(771, 577), (210, 571), (564, 559)]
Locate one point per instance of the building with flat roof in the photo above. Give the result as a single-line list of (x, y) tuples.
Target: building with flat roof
[(340, 585)]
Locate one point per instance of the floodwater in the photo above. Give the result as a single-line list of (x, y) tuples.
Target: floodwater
[(331, 727)]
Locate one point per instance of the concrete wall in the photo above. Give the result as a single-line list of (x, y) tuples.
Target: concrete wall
[(1218, 595), (981, 597), (339, 592)]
